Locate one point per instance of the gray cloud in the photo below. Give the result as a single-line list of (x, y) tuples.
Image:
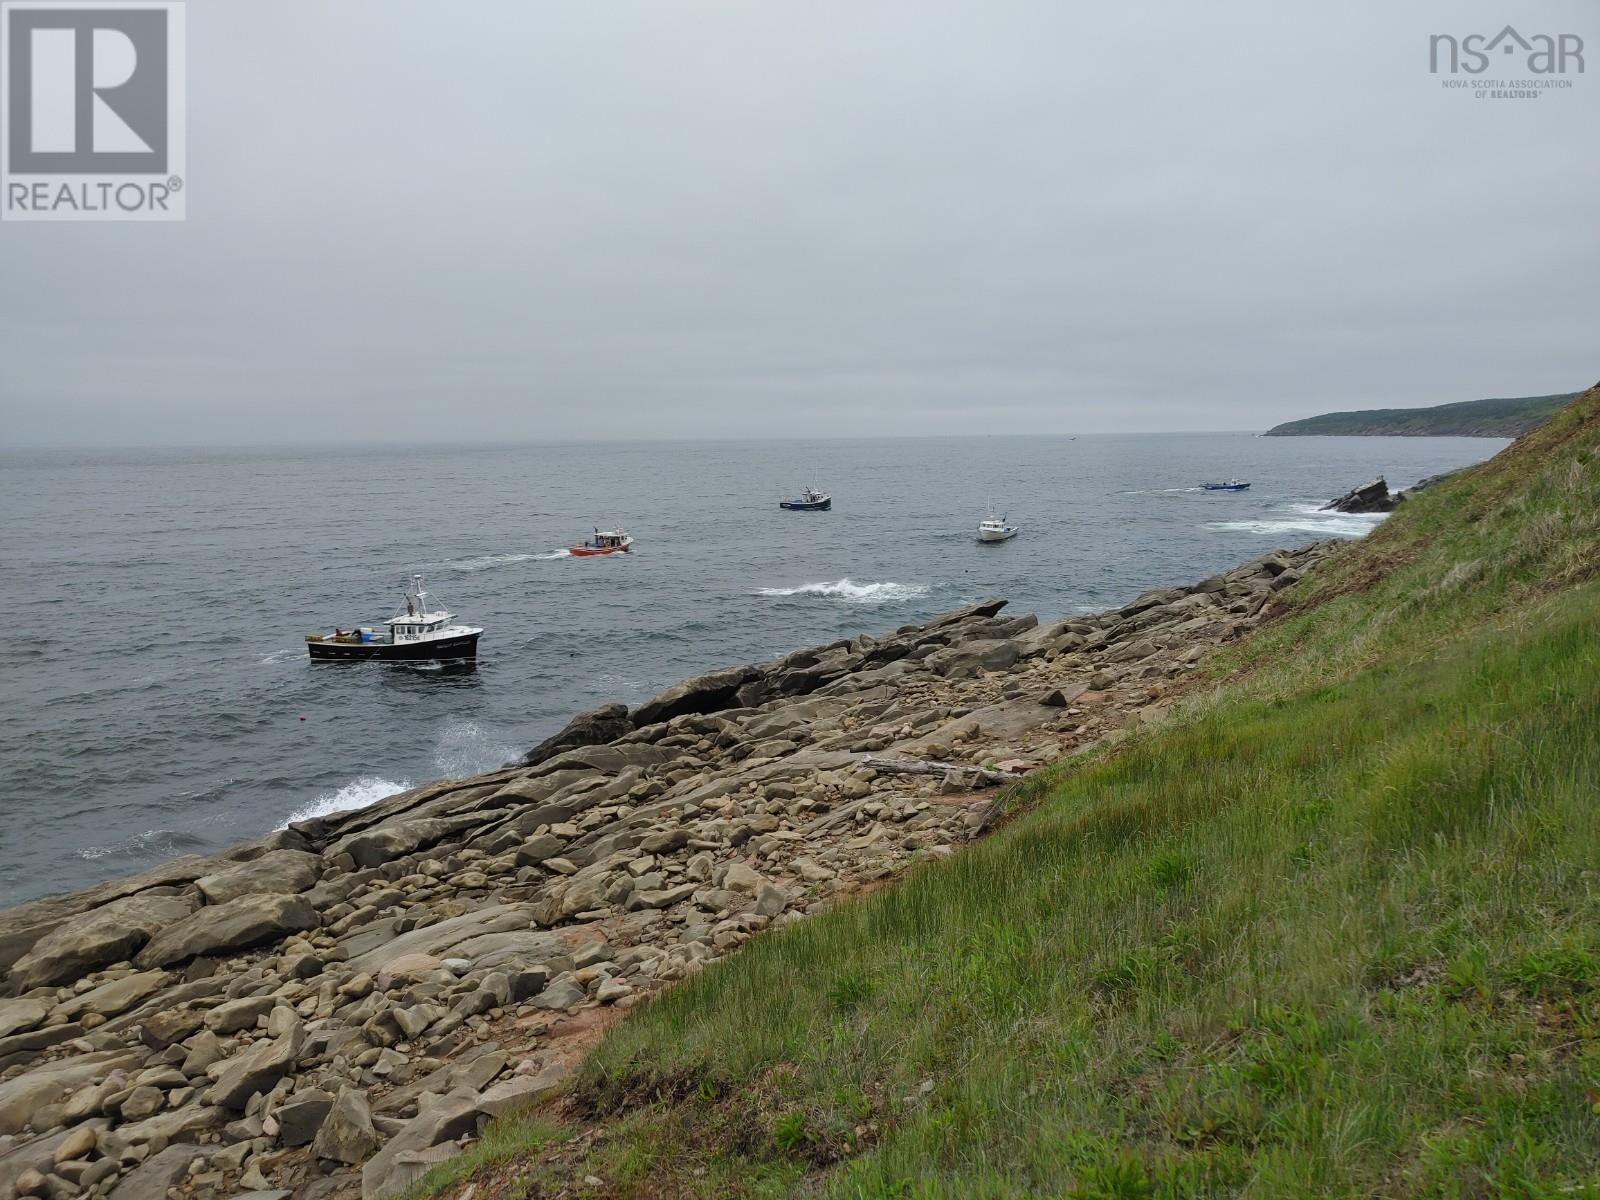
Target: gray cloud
[(661, 218)]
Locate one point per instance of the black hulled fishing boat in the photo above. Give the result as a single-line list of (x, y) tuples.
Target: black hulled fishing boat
[(418, 632)]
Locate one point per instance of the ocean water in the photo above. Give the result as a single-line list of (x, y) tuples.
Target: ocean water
[(157, 695)]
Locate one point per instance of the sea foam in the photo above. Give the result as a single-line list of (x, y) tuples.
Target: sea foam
[(359, 793), (1307, 518), (848, 589)]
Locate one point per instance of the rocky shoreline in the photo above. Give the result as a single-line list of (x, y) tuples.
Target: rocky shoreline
[(331, 1010)]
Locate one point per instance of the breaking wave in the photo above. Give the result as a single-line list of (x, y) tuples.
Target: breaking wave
[(848, 589), (465, 748), (1308, 518), (358, 794)]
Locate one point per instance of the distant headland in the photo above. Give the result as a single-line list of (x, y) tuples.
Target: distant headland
[(1467, 418)]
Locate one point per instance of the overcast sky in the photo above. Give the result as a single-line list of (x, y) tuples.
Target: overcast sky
[(661, 218)]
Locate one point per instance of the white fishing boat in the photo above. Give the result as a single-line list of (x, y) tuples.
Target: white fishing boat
[(996, 529)]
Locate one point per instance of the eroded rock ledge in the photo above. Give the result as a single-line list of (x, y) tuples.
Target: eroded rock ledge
[(332, 1009)]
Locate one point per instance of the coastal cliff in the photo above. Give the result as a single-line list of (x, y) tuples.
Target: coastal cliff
[(1504, 418), (1208, 880), (331, 1009)]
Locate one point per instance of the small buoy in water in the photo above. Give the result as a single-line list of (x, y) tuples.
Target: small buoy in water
[(302, 718)]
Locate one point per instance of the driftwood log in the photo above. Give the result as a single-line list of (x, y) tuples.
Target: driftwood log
[(981, 776)]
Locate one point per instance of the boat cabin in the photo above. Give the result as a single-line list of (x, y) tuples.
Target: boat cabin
[(418, 622)]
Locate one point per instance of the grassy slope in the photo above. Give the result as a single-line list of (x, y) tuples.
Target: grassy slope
[(1332, 929), (1467, 418)]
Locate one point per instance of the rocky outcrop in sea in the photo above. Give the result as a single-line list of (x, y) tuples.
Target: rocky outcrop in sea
[(332, 1009)]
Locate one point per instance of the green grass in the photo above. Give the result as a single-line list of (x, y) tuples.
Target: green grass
[(1332, 929)]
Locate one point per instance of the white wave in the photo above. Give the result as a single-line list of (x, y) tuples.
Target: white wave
[(465, 748), (848, 589), (278, 656), (165, 842), (1308, 518), (487, 562), (360, 793)]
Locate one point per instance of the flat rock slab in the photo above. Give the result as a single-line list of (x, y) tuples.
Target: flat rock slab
[(236, 925), (441, 939), (279, 872), (115, 997), (20, 1096), (17, 1016), (520, 1091), (97, 939)]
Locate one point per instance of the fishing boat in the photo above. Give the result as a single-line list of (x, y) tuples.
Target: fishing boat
[(1232, 485), (604, 541), (421, 629), (809, 500), (996, 529)]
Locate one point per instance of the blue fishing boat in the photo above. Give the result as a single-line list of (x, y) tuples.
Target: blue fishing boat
[(1232, 485), (809, 500)]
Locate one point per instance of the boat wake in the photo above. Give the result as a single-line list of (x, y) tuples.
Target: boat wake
[(849, 590), (487, 562), (278, 656), (360, 793), (1307, 518)]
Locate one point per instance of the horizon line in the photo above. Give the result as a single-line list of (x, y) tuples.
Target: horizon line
[(20, 448)]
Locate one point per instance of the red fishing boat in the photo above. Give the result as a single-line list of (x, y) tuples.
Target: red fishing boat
[(604, 541)]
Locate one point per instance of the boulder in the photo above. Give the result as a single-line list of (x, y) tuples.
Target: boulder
[(144, 1101), (161, 1029), (301, 1117), (256, 1069), (561, 993), (593, 728), (982, 609), (706, 693), (278, 872), (736, 877), (408, 968), (347, 1134), (518, 1092), (151, 1178), (233, 1015), (403, 1159), (539, 849), (770, 901), (97, 938), (1064, 695), (236, 925), (19, 1015), (968, 659), (374, 847), (1371, 497)]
